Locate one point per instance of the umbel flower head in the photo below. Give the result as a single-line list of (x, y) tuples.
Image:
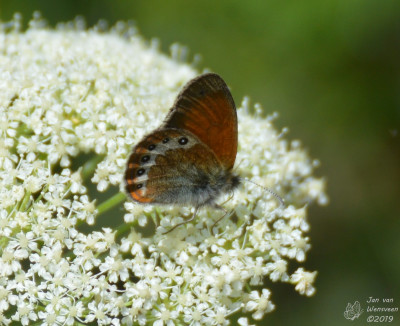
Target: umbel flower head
[(69, 91)]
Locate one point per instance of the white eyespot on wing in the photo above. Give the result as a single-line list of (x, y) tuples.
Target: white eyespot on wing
[(151, 161), (144, 190), (142, 178)]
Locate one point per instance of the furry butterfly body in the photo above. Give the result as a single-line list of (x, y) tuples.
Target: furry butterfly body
[(189, 159)]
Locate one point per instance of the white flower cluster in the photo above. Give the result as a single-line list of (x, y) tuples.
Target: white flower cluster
[(69, 91)]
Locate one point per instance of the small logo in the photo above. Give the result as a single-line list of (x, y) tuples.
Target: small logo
[(353, 311)]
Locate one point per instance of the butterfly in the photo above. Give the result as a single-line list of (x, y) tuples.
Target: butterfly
[(189, 159)]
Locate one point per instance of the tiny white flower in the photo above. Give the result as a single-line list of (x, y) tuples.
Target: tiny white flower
[(165, 316), (244, 322), (304, 281), (278, 270), (260, 304)]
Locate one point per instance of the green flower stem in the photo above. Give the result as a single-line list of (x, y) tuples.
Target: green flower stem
[(3, 243), (89, 167), (43, 191), (123, 228), (110, 203), (77, 323), (25, 202)]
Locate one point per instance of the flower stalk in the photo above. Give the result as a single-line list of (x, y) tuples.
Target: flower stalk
[(110, 203)]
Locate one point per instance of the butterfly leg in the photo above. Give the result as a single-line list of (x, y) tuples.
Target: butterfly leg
[(217, 221), (216, 206), (179, 224)]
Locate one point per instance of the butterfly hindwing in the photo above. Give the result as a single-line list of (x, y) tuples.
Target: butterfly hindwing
[(167, 166)]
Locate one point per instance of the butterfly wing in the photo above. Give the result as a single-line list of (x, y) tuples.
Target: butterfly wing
[(205, 107), (163, 169)]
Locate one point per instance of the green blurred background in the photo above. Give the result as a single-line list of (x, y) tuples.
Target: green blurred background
[(332, 70)]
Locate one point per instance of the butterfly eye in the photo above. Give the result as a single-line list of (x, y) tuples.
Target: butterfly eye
[(145, 158), (151, 147), (140, 172), (165, 140), (139, 186), (183, 141)]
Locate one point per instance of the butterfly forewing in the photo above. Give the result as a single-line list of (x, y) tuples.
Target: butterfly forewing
[(205, 107)]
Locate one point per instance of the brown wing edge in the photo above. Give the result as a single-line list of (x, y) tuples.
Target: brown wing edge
[(218, 83)]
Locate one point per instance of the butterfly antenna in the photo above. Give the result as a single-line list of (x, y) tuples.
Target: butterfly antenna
[(279, 198), (237, 165)]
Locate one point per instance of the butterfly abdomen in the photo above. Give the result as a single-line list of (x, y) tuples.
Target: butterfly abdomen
[(216, 185)]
